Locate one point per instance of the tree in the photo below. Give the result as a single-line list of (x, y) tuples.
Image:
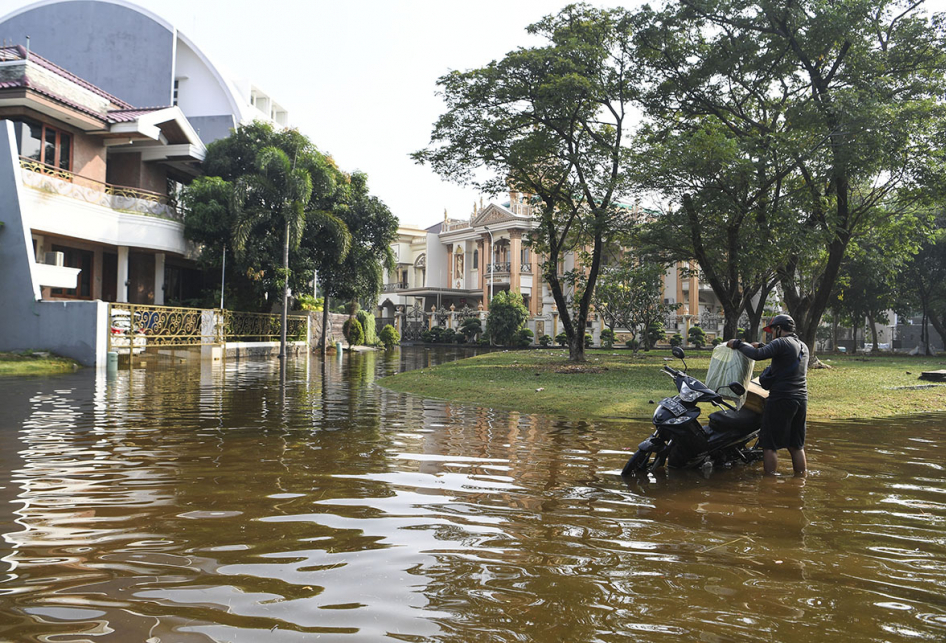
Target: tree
[(844, 94), (549, 121), (629, 295), (507, 315), (922, 286), (254, 183), (360, 273)]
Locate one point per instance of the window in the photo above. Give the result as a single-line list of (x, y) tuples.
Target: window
[(74, 258), (44, 144), (177, 87), (476, 260)]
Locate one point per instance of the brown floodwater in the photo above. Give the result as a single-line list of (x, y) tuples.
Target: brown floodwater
[(209, 503)]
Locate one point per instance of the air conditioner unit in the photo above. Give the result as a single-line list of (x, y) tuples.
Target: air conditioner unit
[(54, 259)]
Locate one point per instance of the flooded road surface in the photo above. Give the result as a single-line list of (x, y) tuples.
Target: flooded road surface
[(197, 504)]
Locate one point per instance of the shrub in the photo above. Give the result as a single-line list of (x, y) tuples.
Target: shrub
[(389, 336), (589, 340), (654, 334), (696, 336), (353, 332), (607, 338), (507, 315), (561, 339), (448, 336), (633, 344), (717, 341), (310, 303), (369, 326), (434, 335), (676, 340), (545, 341), (525, 337), (471, 328)]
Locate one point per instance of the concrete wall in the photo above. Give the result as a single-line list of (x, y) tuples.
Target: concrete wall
[(121, 50), (76, 329)]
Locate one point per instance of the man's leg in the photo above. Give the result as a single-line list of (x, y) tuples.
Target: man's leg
[(770, 461), (799, 461)]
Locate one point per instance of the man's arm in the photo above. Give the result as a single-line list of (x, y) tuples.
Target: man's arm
[(755, 350)]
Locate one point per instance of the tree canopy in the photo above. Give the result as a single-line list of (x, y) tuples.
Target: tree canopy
[(825, 109), (549, 122)]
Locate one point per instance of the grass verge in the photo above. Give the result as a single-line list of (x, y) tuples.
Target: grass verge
[(30, 363), (620, 385)]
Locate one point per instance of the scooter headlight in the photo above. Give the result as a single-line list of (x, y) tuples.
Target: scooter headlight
[(678, 420), (687, 394)]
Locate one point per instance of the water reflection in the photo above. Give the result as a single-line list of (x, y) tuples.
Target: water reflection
[(209, 503)]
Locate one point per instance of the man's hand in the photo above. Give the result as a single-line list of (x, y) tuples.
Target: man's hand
[(731, 343)]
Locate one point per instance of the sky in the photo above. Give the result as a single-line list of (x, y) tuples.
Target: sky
[(358, 77)]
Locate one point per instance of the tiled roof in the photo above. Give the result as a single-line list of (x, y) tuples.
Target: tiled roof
[(18, 52)]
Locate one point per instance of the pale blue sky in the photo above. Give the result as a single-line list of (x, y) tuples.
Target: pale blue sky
[(359, 76)]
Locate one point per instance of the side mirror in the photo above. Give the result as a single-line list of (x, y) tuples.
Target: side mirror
[(678, 352), (737, 388)]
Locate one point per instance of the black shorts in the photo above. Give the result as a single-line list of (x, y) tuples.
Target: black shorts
[(783, 424)]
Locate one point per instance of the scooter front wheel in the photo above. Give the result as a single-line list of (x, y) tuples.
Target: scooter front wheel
[(641, 462)]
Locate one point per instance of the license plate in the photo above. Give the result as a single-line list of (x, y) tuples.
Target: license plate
[(673, 405)]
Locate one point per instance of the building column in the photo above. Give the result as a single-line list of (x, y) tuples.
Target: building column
[(538, 283), (159, 279), (481, 268), (487, 266), (679, 279), (450, 260), (515, 261), (122, 286), (694, 293)]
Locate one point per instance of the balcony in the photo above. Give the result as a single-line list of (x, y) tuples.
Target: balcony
[(394, 287), (498, 268), (46, 178)]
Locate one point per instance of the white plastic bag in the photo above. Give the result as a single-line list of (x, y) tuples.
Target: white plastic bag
[(728, 366)]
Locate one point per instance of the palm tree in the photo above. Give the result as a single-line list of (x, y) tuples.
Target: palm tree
[(276, 194)]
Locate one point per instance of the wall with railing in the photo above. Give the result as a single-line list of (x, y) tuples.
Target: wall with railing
[(53, 180)]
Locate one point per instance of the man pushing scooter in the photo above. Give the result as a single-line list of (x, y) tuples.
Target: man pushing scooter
[(783, 420)]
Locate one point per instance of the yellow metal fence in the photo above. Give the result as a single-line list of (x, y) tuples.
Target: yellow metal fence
[(134, 327)]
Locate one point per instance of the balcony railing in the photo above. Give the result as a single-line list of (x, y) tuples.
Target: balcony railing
[(394, 286), (47, 178), (501, 267)]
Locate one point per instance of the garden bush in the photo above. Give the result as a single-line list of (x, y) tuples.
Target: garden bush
[(353, 332), (525, 337), (545, 341), (507, 315), (561, 339), (389, 336), (607, 338), (676, 340), (369, 326)]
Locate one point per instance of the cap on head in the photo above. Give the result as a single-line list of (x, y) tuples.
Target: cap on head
[(784, 321)]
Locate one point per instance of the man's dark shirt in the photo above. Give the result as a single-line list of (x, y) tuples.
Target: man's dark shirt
[(791, 373)]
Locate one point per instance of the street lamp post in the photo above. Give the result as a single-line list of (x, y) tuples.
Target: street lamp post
[(490, 264)]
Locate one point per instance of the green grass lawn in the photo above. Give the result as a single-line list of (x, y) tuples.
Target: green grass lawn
[(619, 385), (28, 363)]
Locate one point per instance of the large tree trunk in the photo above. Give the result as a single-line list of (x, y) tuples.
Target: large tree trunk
[(938, 325), (285, 293), (873, 332)]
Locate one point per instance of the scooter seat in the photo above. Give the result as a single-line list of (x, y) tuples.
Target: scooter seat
[(743, 421)]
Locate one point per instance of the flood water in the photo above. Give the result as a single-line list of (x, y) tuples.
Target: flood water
[(207, 503)]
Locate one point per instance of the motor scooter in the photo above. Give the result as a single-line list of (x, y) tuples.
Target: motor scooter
[(680, 441)]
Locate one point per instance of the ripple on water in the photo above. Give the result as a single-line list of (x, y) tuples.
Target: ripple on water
[(212, 504)]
